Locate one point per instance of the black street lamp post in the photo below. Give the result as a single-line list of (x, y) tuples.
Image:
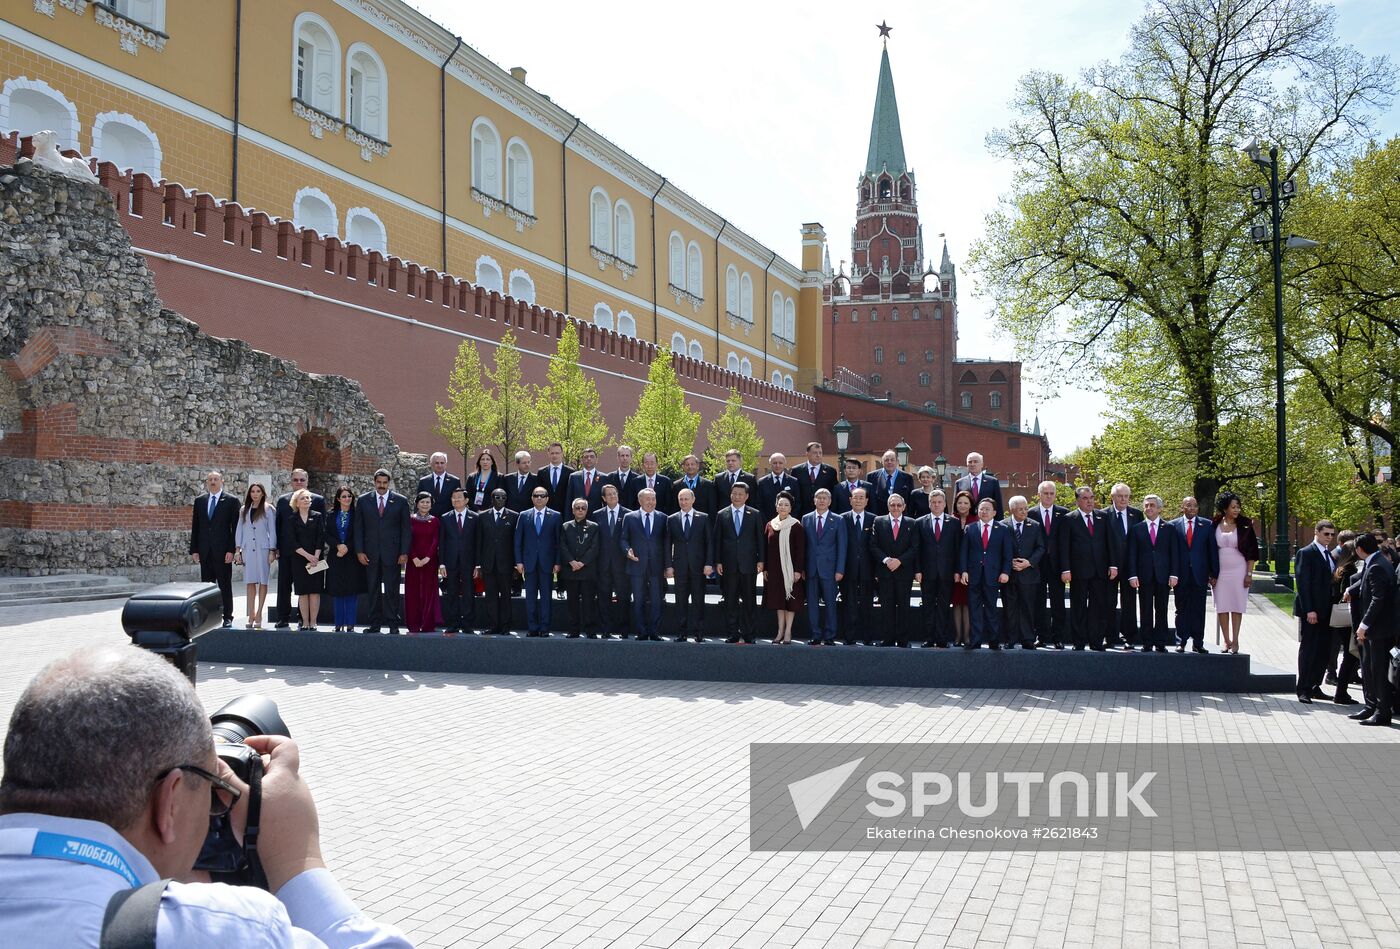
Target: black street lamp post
[(842, 430)]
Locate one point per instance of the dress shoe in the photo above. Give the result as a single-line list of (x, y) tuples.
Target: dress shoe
[(996, 647), (1180, 650), (732, 640), (1362, 713), (1305, 699), (1028, 646), (1319, 694), (1376, 720), (228, 622), (1059, 645), (1078, 648), (884, 645), (1098, 648), (969, 646), (393, 630), (1162, 649), (289, 626), (1199, 649), (573, 636), (368, 629), (1331, 678), (1344, 699), (904, 645), (1145, 649)]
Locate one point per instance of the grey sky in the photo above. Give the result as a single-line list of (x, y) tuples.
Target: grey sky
[(762, 110)]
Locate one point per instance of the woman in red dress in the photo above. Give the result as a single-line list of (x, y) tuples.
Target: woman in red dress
[(421, 577), (783, 567), (966, 512)]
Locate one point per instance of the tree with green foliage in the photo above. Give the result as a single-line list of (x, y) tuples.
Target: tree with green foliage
[(1123, 247), (732, 429), (512, 411), (664, 422), (466, 421), (568, 408)]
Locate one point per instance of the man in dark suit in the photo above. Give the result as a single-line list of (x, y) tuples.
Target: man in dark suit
[(980, 483), (628, 482), (1023, 597), (537, 559), (213, 525), (889, 480), (286, 545), (1312, 604), (1088, 562), (687, 552), (586, 483), (984, 561), (439, 483), (895, 547), (704, 490), (496, 555), (1050, 624), (555, 478), (734, 473), (520, 484), (774, 483), (578, 569), (826, 566), (1200, 565), (814, 475), (855, 478), (382, 539), (457, 564), (858, 585), (1375, 596), (643, 539), (738, 559), (1122, 516), (940, 539), (1154, 569), (651, 477), (614, 589)]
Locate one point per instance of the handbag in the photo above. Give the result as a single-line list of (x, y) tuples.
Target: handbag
[(320, 566), (1341, 616)]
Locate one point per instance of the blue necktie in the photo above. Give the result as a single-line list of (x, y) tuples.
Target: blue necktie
[(539, 522), (212, 498)]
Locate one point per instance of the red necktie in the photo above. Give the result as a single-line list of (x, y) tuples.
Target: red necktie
[(938, 530), (1047, 519), (894, 529), (1089, 523), (587, 484), (1152, 529), (986, 535), (976, 485), (381, 505), (1190, 529)]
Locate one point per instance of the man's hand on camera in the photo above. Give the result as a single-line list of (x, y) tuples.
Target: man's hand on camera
[(289, 839)]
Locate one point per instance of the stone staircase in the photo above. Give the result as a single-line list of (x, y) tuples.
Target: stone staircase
[(64, 588)]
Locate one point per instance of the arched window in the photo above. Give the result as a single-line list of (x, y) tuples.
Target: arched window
[(694, 271), (626, 325), (894, 315), (923, 378), (520, 176), (600, 220), (875, 379), (789, 320), (678, 343), (775, 313), (995, 399), (874, 315), (625, 230), (928, 355), (938, 311), (966, 400), (746, 367), (879, 354), (363, 227), (316, 63), (313, 209), (746, 298), (486, 158), (126, 142), (968, 378), (602, 316), (366, 91), (731, 290), (677, 261), (855, 315), (997, 376), (732, 362), (931, 405), (901, 358), (697, 352), (32, 105), (777, 377), (787, 382), (916, 313), (522, 286), (488, 275)]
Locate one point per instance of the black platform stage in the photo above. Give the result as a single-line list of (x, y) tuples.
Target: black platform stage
[(720, 662)]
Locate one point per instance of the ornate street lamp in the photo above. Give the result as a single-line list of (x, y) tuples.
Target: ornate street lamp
[(940, 465), (842, 430), (901, 454)]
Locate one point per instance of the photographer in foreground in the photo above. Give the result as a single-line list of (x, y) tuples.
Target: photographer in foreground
[(110, 782)]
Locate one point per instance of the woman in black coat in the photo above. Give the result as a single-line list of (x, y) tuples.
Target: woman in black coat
[(481, 482), (307, 541), (345, 579)]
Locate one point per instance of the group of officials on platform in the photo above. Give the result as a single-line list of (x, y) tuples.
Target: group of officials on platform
[(840, 547)]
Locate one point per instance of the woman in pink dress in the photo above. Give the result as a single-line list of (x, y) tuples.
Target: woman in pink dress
[(421, 577), (966, 513), (1239, 549)]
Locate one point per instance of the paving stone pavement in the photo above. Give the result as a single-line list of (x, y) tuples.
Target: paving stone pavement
[(529, 811)]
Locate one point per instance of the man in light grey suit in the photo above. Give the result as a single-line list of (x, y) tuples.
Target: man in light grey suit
[(826, 564), (382, 537)]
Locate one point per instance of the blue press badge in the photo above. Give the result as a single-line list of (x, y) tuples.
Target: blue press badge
[(82, 850)]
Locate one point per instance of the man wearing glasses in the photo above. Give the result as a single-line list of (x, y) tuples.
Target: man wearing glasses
[(88, 813), (287, 544), (1313, 607)]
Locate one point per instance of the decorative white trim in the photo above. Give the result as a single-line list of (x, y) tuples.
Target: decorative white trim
[(44, 7), (697, 350), (680, 293), (335, 96), (369, 145), (488, 203), (354, 213), (482, 120), (310, 192), (67, 138), (318, 121), (681, 349), (129, 32), (368, 50), (519, 274), (606, 246), (484, 260), (507, 183), (606, 322), (100, 123), (621, 315)]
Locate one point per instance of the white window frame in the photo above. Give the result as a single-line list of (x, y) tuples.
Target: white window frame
[(366, 214), (494, 283), (316, 194), (154, 18), (626, 324), (678, 345), (731, 290), (480, 147), (746, 367), (331, 102), (520, 200), (697, 350), (367, 51), (526, 282), (694, 271), (67, 137), (746, 298), (624, 232), (789, 320), (787, 382), (777, 377), (99, 128), (676, 260), (605, 321), (600, 220), (731, 362)]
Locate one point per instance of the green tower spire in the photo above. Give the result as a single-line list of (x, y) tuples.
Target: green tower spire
[(886, 141)]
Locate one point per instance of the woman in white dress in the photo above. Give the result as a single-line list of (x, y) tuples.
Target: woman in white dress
[(256, 541), (1239, 549)]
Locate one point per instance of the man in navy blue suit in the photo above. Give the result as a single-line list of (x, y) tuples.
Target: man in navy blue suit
[(1200, 565), (940, 537), (1313, 568), (537, 558), (826, 566), (586, 483), (614, 589), (855, 478), (979, 483), (1154, 568), (643, 533), (985, 564), (889, 480), (457, 559)]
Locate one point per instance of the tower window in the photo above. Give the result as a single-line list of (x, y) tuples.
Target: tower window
[(894, 315), (902, 358), (996, 400), (923, 378), (967, 400), (875, 379), (938, 311), (916, 313), (928, 355), (885, 190), (879, 354)]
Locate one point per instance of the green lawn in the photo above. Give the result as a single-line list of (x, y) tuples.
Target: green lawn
[(1283, 601)]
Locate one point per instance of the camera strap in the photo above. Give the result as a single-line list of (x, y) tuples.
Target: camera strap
[(130, 919), (250, 834)]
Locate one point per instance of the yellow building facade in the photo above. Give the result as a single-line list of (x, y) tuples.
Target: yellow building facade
[(367, 120)]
